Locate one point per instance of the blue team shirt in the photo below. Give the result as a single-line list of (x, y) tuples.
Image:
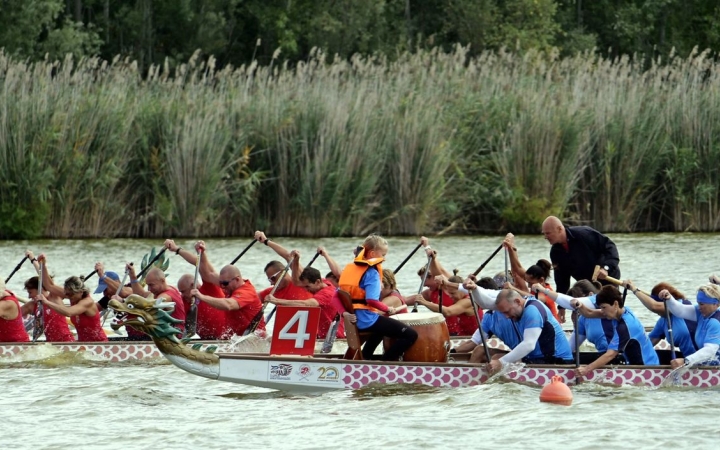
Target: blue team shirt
[(495, 323), (597, 331), (708, 330), (533, 318), (372, 284), (681, 334), (628, 327)]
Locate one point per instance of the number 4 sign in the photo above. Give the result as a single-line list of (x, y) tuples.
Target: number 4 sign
[(295, 330)]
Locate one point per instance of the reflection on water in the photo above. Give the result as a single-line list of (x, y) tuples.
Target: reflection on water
[(374, 390)]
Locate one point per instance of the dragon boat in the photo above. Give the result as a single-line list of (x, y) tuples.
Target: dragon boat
[(325, 373)]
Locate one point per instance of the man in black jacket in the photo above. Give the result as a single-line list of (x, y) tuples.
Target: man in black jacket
[(577, 250)]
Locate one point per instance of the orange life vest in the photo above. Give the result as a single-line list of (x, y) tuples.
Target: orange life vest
[(351, 276)]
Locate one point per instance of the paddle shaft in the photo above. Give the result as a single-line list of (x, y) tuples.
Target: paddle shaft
[(89, 275), (39, 324), (670, 331), (576, 319), (480, 330), (258, 317), (482, 266), (191, 321), (440, 300), (22, 261), (422, 283), (254, 241), (313, 259), (507, 270), (397, 269)]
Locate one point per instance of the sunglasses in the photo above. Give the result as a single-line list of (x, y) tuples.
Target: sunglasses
[(225, 283), (273, 279)]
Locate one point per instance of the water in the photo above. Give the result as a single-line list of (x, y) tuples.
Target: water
[(55, 401)]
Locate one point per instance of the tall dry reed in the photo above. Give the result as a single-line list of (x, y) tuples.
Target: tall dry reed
[(427, 141)]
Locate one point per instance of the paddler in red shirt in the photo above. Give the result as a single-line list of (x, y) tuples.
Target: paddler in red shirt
[(211, 322), (321, 294), (241, 302)]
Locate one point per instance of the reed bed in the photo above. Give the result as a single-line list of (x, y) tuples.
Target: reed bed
[(427, 142)]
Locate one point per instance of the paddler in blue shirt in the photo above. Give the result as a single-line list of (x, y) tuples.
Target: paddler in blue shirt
[(541, 338), (629, 338)]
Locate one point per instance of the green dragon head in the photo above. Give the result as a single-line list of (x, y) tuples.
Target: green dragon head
[(147, 315)]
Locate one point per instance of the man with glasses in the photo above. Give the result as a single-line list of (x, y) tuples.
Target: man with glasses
[(241, 302)]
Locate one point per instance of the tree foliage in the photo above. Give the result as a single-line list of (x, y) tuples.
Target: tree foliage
[(239, 31)]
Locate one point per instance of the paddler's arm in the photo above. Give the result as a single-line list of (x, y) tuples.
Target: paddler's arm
[(676, 308), (332, 264), (435, 267), (207, 271), (187, 255), (484, 298), (281, 302), (277, 248), (295, 268), (80, 307), (223, 304), (48, 283), (647, 301), (604, 359), (563, 300), (137, 289), (530, 338)]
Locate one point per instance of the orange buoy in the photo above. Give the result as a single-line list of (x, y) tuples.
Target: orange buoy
[(556, 392)]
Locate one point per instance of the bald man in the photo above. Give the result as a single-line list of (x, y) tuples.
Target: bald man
[(576, 251), (241, 301), (158, 286)]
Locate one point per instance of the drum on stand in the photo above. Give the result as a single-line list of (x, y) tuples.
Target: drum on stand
[(433, 342)]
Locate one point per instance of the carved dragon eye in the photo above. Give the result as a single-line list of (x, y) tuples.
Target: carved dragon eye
[(131, 306)]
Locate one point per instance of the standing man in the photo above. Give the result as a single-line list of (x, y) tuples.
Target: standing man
[(576, 251)]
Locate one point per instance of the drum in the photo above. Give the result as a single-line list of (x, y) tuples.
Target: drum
[(433, 343)]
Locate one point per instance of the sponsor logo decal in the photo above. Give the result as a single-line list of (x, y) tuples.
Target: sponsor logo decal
[(280, 371), (328, 373)]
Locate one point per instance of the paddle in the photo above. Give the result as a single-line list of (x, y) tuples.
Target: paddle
[(670, 332), (22, 261), (482, 266), (39, 325), (479, 324), (422, 283), (313, 259), (254, 241), (191, 320), (507, 271), (258, 317), (397, 269), (575, 320), (85, 278)]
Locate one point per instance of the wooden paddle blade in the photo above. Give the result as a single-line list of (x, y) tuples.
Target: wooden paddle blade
[(346, 300)]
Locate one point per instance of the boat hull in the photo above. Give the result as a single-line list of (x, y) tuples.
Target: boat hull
[(325, 374)]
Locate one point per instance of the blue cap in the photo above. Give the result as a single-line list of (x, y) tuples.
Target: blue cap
[(102, 285)]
